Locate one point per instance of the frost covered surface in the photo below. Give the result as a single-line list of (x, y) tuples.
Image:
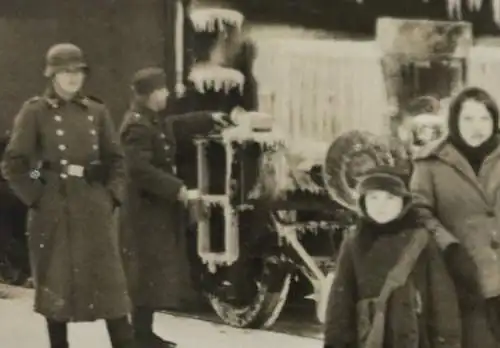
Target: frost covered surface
[(20, 327), (287, 168), (212, 77), (214, 19)]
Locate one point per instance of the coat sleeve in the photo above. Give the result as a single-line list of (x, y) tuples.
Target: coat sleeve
[(444, 319), (20, 154), (112, 156), (137, 144), (341, 316), (186, 126), (422, 186)]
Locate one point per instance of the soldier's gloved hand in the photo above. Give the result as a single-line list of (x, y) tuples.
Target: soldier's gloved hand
[(115, 202), (223, 120), (197, 210), (183, 195)]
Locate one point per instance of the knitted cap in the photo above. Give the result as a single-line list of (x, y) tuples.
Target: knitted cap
[(147, 80), (64, 56)]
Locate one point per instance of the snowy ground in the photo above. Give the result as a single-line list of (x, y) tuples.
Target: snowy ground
[(21, 328)]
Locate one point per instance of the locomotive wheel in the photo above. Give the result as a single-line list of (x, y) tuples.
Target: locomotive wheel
[(263, 309)]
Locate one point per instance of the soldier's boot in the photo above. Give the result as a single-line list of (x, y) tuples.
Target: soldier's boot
[(121, 333), (142, 320), (58, 334)]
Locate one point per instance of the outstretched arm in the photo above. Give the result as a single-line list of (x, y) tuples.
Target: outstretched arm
[(423, 187)]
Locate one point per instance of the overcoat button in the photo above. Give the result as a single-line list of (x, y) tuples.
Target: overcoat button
[(60, 132), (93, 132), (95, 147), (166, 147), (63, 175), (62, 147), (64, 162), (91, 118), (162, 136), (58, 118)]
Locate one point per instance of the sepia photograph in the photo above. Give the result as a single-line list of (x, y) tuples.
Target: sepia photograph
[(250, 174)]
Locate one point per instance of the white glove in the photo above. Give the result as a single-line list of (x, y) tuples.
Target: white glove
[(222, 119), (183, 195)]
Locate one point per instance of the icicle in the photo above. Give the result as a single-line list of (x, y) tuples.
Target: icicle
[(496, 11), (454, 9), (478, 4), (213, 19), (471, 4), (216, 77), (180, 89)]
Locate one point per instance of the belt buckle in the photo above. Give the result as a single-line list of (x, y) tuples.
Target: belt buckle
[(75, 170)]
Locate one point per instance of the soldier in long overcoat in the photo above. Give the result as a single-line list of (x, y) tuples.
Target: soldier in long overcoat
[(65, 163), (458, 182), (153, 217)]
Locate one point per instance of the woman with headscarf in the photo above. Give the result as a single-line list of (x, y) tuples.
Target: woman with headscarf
[(457, 181)]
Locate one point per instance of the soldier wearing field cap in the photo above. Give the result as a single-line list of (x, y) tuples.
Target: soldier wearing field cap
[(65, 163), (153, 217)]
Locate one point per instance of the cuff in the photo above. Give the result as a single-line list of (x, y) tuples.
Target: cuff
[(444, 239)]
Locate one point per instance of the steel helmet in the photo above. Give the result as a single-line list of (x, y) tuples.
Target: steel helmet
[(64, 56)]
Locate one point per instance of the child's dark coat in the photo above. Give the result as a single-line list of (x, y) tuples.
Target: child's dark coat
[(425, 318)]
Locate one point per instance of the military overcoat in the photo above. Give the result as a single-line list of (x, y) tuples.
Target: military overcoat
[(153, 221), (73, 240)]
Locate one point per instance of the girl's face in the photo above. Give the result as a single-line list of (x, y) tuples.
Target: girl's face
[(383, 206), (475, 123)]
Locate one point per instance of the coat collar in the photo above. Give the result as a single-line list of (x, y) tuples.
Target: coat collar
[(55, 101), (143, 110), (447, 153)]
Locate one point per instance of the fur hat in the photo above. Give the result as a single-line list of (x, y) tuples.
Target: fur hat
[(384, 178), (147, 80)]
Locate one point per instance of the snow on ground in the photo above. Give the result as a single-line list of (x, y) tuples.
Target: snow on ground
[(20, 327)]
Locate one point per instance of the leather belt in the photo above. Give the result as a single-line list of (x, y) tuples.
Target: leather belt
[(68, 169), (93, 172)]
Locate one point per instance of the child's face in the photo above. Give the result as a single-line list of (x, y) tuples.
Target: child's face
[(427, 133), (383, 206)]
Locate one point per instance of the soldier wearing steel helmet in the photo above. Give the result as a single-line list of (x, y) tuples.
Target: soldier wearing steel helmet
[(64, 162)]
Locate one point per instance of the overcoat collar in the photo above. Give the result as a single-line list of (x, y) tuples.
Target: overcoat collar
[(144, 111), (55, 101), (447, 153)]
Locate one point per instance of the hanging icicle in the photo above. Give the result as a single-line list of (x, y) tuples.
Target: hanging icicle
[(471, 4), (211, 77), (214, 19), (454, 8), (496, 11)]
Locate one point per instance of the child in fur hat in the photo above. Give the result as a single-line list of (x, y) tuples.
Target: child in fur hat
[(420, 312)]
